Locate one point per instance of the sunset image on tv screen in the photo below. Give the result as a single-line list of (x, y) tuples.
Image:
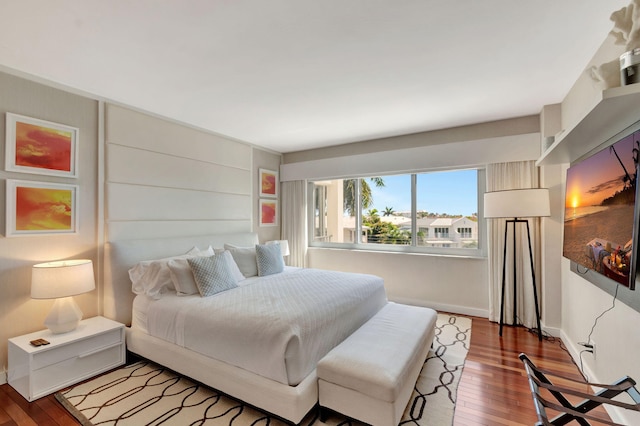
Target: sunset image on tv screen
[(599, 209)]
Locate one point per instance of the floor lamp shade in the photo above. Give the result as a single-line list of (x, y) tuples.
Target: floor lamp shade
[(61, 280), (517, 203), (514, 204)]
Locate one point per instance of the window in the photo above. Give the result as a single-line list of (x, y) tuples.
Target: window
[(427, 212), (465, 232), (442, 233)]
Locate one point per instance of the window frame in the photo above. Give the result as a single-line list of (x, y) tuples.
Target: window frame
[(479, 252)]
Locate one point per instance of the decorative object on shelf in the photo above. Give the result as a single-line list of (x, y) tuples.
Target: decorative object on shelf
[(516, 204), (36, 208), (40, 147), (268, 183), (284, 246), (630, 67), (626, 30), (268, 213), (61, 280)]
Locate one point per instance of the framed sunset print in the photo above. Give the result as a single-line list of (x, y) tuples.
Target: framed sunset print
[(268, 183), (40, 147), (36, 208), (268, 213)]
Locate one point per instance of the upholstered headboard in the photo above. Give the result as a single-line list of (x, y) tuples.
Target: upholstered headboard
[(120, 256)]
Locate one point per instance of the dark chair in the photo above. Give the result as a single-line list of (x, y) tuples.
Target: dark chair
[(539, 379)]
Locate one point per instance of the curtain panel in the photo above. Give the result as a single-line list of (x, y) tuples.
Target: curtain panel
[(294, 221)]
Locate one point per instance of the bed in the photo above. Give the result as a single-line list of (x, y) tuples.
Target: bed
[(266, 336)]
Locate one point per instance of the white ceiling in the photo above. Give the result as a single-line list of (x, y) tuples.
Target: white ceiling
[(298, 74)]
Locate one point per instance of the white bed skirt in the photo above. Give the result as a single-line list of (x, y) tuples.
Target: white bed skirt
[(289, 402)]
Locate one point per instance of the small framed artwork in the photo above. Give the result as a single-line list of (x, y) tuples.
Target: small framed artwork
[(40, 147), (268, 183), (268, 213), (37, 208)]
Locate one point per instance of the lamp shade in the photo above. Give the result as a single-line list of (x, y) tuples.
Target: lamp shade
[(517, 203), (284, 246), (62, 278)]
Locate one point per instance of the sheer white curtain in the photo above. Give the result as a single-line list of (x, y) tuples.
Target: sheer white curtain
[(503, 176), (294, 221)]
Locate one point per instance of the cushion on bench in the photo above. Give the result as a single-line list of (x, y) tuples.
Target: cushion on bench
[(380, 361)]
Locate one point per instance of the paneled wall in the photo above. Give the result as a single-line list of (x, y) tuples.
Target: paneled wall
[(164, 179)]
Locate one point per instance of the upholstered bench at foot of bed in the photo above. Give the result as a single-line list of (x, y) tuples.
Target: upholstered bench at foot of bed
[(370, 376)]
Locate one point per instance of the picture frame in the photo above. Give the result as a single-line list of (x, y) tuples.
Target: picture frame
[(40, 208), (268, 182), (268, 212), (40, 147)]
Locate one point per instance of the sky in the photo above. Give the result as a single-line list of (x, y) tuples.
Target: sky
[(439, 192), (599, 176)]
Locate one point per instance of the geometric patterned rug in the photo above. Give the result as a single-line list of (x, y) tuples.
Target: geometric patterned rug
[(145, 393)]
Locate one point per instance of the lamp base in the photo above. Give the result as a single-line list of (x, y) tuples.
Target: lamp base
[(64, 316)]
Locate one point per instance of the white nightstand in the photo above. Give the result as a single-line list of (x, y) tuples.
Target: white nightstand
[(97, 345)]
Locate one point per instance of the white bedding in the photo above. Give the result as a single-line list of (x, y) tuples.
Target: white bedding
[(278, 326)]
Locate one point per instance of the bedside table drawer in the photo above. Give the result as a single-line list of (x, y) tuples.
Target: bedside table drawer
[(75, 369), (95, 346), (77, 348)]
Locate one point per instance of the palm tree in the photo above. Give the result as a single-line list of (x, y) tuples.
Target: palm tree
[(388, 211), (349, 194), (373, 216)]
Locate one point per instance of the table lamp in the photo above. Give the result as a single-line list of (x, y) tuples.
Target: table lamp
[(61, 280), (284, 246)]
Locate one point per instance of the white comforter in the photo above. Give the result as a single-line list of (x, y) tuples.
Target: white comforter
[(278, 326)]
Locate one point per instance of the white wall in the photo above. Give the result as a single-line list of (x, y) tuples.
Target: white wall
[(552, 177), (615, 334), (468, 153), (19, 314), (445, 283)]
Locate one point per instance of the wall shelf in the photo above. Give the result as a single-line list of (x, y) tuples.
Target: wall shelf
[(615, 110)]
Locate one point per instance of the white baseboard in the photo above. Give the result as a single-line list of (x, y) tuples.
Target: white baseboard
[(440, 307), (464, 310), (553, 331)]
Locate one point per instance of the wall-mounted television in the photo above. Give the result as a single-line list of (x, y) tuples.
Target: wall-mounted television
[(601, 218)]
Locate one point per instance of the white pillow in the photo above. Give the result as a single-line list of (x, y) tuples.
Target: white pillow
[(182, 277), (269, 259), (233, 266), (153, 277), (245, 258)]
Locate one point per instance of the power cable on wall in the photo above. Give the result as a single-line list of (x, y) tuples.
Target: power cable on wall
[(588, 345)]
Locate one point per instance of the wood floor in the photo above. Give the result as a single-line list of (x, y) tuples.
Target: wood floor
[(493, 389)]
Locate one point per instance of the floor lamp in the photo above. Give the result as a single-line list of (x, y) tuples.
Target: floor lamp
[(517, 204)]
